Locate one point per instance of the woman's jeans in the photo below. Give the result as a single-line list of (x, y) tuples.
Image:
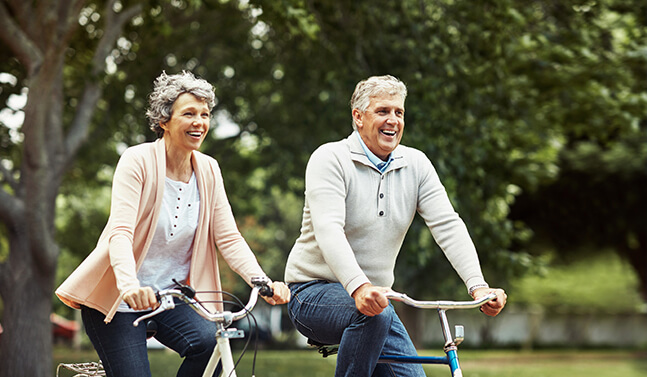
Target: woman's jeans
[(325, 313), (122, 347)]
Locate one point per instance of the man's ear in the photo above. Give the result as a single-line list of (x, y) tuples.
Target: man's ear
[(358, 118)]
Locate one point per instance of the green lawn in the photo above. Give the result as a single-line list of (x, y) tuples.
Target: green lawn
[(308, 363)]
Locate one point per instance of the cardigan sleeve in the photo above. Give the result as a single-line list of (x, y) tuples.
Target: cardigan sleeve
[(127, 188), (224, 230)]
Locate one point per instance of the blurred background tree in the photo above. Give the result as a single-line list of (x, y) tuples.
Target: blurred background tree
[(534, 114), (39, 62)]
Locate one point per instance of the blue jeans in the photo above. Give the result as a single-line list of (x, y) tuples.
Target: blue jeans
[(122, 347), (325, 312)]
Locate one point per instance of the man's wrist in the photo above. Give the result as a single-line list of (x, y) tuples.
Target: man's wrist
[(473, 288), (358, 289)]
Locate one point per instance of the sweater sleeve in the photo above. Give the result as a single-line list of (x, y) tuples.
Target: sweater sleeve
[(326, 196), (447, 228)]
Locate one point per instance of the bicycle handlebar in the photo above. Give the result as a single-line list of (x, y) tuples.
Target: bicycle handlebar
[(186, 293), (440, 304)]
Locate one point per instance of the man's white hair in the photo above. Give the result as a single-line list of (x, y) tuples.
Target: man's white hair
[(374, 86)]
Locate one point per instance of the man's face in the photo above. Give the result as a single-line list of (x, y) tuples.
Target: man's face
[(382, 124)]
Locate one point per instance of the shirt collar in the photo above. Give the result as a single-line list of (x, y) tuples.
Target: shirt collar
[(379, 164)]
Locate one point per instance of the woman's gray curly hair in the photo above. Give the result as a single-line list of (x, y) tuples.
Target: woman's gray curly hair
[(167, 89), (374, 86)]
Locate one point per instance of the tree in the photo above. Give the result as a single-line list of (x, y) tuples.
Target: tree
[(38, 36), (499, 90), (95, 91), (599, 78)]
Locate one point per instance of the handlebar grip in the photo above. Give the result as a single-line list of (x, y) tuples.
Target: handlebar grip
[(266, 291)]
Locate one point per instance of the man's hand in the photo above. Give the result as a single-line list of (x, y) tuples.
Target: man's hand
[(370, 300), (141, 298), (281, 294), (495, 306)]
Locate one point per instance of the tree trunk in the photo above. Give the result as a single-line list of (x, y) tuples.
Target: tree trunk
[(38, 34), (26, 344), (28, 274)]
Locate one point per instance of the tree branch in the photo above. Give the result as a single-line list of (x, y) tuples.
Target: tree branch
[(69, 10), (92, 92), (19, 42), (113, 28), (23, 12)]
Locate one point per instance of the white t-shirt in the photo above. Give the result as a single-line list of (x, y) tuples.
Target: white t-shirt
[(169, 256)]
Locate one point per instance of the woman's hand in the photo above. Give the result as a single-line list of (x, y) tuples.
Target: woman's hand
[(494, 307), (141, 298), (281, 293)]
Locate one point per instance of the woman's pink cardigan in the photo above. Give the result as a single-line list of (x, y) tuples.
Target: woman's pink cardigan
[(137, 191)]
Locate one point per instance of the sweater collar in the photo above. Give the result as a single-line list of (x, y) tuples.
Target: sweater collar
[(358, 155)]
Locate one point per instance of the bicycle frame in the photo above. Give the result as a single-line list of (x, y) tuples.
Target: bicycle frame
[(222, 352), (451, 344)]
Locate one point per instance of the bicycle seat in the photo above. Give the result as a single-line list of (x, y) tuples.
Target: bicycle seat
[(324, 349)]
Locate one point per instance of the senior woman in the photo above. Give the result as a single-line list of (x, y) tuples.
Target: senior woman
[(169, 216)]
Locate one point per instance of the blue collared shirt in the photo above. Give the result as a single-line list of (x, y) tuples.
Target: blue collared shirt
[(379, 164)]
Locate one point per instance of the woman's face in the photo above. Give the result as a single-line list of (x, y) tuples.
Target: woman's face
[(189, 123)]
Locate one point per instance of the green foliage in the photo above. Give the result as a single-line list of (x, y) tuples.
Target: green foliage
[(496, 91), (501, 94), (601, 283)]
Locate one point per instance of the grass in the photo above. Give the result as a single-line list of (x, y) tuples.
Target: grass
[(505, 363)]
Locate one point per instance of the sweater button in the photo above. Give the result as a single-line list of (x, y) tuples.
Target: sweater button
[(381, 213), (381, 195)]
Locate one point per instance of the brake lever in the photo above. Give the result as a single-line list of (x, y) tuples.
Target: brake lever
[(166, 303), (186, 290)]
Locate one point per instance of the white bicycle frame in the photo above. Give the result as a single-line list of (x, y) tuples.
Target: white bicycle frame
[(222, 350)]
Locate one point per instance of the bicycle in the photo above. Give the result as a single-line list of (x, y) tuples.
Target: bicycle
[(451, 343), (221, 352)]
